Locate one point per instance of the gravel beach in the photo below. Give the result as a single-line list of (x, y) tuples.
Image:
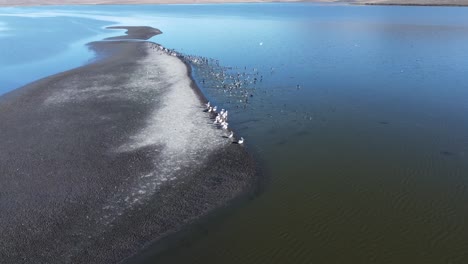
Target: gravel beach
[(98, 162)]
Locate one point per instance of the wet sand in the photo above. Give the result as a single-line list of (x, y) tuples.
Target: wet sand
[(101, 161)]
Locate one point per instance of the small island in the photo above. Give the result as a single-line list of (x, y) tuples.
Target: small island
[(99, 161)]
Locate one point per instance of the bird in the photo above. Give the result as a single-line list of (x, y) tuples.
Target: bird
[(207, 105), (210, 109), (241, 140), (225, 125), (217, 119), (214, 108), (231, 134)]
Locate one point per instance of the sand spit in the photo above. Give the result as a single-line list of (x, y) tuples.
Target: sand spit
[(98, 161), (142, 33)]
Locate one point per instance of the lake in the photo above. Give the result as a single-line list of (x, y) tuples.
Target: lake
[(357, 113)]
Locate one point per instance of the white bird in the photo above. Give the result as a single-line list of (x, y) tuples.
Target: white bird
[(241, 140), (231, 134), (225, 125), (214, 108), (207, 105), (210, 109)]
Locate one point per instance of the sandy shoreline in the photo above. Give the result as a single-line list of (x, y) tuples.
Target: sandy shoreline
[(100, 161)]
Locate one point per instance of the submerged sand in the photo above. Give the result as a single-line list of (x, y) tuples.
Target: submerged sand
[(99, 161)]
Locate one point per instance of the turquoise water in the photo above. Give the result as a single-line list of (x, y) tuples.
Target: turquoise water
[(32, 48), (360, 118)]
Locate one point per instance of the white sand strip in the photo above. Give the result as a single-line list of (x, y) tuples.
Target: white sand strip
[(178, 128)]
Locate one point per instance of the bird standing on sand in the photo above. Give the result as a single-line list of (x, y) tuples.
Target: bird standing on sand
[(214, 108), (217, 120), (208, 105), (231, 134), (225, 125), (241, 140)]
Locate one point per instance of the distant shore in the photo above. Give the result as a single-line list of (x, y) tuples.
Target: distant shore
[(138, 2), (414, 2), (104, 160)]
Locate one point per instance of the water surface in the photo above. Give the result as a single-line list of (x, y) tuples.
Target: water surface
[(360, 118)]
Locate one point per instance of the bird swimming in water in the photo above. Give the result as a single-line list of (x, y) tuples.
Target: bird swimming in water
[(241, 140)]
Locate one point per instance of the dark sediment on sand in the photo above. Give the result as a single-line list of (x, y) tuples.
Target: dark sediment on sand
[(93, 167)]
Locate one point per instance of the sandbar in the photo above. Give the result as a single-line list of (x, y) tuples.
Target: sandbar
[(99, 162)]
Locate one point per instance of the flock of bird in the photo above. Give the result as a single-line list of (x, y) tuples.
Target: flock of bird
[(241, 88), (221, 119), (235, 85)]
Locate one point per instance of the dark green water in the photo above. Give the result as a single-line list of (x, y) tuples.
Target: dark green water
[(368, 156)]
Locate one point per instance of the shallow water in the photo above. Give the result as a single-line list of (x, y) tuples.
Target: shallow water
[(368, 155)]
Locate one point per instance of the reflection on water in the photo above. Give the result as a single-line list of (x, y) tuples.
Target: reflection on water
[(33, 48), (360, 116)]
